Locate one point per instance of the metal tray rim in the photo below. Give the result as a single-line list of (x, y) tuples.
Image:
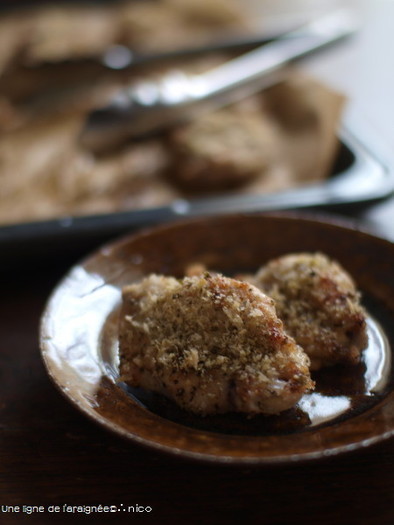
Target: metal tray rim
[(370, 178)]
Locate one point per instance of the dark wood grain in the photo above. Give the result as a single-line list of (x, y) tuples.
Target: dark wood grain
[(50, 454)]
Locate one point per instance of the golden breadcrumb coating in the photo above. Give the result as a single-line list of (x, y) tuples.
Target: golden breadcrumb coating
[(319, 305), (210, 343)]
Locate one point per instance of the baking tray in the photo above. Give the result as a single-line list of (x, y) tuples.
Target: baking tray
[(362, 174)]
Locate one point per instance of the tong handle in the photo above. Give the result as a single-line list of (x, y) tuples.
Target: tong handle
[(151, 106)]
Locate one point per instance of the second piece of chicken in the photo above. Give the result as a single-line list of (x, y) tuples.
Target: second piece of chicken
[(319, 305)]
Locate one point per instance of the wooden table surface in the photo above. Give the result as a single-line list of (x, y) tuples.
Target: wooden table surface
[(51, 455)]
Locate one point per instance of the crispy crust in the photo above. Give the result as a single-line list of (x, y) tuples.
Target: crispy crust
[(319, 305), (210, 343)]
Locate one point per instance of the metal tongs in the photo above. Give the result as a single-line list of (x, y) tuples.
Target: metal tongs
[(147, 107)]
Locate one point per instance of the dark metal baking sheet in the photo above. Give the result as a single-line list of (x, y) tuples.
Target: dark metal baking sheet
[(361, 174)]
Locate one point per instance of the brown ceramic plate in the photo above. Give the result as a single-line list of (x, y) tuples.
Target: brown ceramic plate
[(352, 407)]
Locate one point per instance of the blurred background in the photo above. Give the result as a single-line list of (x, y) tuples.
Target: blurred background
[(61, 61)]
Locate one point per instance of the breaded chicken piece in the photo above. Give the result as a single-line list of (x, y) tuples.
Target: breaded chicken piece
[(210, 343), (319, 305), (223, 149)]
